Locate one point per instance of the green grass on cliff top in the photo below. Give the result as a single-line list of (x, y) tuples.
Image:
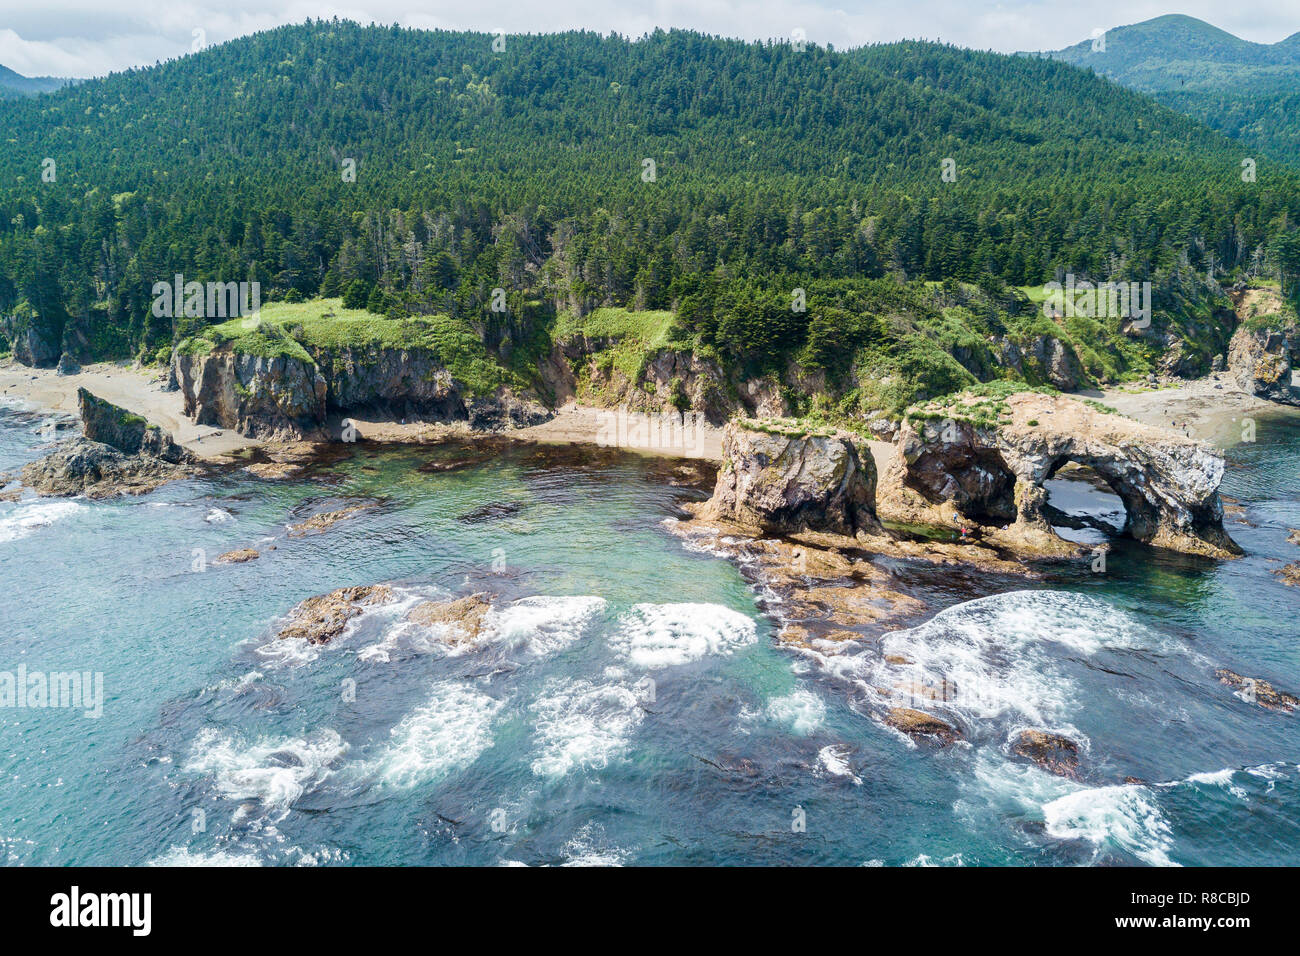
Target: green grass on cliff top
[(298, 329)]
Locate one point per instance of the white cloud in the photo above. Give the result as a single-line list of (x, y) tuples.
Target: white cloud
[(82, 38)]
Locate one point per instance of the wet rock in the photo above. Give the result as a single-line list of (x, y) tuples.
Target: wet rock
[(1052, 752), (460, 620), (917, 723), (1290, 574), (783, 479), (320, 619), (77, 466), (327, 519), (1258, 691), (238, 556)]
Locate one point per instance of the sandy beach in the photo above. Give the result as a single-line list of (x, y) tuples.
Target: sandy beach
[(139, 391), (1214, 409)]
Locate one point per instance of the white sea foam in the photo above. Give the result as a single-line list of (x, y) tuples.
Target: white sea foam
[(999, 658), (589, 848), (441, 736), (27, 517), (184, 856), (218, 516), (1124, 817), (542, 625), (835, 761), (582, 725), (802, 711), (652, 636), (274, 772)]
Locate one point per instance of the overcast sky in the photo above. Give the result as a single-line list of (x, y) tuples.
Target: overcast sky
[(93, 37)]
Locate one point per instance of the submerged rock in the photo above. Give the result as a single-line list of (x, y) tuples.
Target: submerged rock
[(320, 619), (327, 519), (1258, 691), (783, 479), (238, 556), (1052, 752), (460, 620)]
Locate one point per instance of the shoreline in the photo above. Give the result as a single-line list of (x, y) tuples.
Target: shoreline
[(1211, 409)]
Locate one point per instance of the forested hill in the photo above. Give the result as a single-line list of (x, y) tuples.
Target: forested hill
[(1248, 90), (529, 169), (14, 84)]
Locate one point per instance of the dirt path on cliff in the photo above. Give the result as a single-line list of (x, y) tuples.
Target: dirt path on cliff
[(137, 391)]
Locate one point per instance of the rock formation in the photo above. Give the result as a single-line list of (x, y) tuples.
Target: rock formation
[(779, 478), (288, 397), (121, 453), (1264, 348), (320, 619), (982, 462), (262, 397)]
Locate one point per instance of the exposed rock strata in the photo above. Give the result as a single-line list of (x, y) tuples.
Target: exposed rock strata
[(783, 481), (121, 453), (954, 467)]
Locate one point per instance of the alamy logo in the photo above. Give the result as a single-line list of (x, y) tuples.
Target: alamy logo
[(212, 300), (74, 909), (81, 690), (1099, 300)]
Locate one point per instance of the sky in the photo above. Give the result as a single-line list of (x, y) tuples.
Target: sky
[(94, 37)]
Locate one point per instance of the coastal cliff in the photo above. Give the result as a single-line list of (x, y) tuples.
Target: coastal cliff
[(982, 460)]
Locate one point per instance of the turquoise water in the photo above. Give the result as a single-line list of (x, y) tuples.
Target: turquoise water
[(549, 744)]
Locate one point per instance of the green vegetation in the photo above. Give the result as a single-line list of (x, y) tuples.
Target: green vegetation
[(1247, 90), (797, 226)]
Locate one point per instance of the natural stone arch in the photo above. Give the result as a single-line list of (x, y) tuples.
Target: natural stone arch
[(956, 467)]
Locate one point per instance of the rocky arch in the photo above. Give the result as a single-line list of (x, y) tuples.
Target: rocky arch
[(945, 468)]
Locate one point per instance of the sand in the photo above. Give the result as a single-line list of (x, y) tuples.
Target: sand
[(140, 391), (1214, 409)]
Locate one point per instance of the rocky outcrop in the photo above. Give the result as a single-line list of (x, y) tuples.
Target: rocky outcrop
[(127, 432), (981, 462), (121, 453), (288, 397), (1263, 350), (1259, 692), (32, 343), (320, 619), (279, 397), (781, 479), (459, 621), (327, 519), (238, 556), (1044, 359), (919, 724), (91, 468), (1052, 752)]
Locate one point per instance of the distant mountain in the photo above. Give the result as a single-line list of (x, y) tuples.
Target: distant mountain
[(14, 85), (1250, 91)]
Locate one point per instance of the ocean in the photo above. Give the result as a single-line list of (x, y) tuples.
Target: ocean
[(630, 703)]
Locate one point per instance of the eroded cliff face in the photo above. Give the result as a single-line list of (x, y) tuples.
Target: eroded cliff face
[(287, 398), (783, 480), (956, 466), (279, 397), (671, 380), (1263, 350)]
